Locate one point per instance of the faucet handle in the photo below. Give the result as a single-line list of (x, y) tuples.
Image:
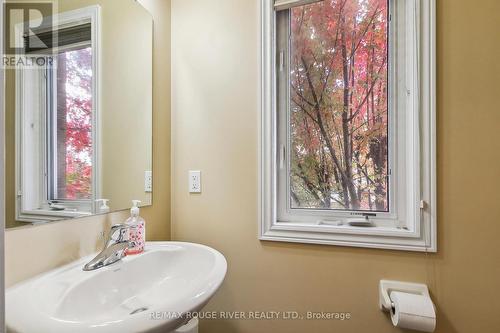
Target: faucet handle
[(119, 233)]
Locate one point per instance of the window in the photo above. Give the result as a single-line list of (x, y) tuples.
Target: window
[(348, 123), (57, 165), (70, 125)]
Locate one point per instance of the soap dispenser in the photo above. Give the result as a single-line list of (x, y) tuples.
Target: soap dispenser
[(103, 208), (137, 231)]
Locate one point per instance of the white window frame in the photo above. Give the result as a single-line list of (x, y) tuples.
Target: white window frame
[(411, 224), (37, 189)]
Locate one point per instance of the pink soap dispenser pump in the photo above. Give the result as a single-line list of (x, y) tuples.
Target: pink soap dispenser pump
[(137, 231)]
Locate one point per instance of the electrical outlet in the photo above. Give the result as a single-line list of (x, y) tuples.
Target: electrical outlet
[(148, 181), (194, 181)]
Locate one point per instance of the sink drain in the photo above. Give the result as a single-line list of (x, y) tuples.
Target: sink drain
[(138, 311)]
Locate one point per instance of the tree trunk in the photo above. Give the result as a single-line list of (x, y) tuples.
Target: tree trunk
[(61, 126), (347, 142)]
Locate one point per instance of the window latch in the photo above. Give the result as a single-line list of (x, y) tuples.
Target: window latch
[(423, 204), (282, 156), (282, 61)]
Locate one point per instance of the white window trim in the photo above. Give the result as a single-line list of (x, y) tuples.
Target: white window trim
[(77, 208), (423, 235)]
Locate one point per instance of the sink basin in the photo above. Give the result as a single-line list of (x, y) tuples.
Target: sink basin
[(145, 293)]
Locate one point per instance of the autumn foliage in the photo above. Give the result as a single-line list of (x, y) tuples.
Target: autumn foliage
[(339, 108), (75, 124)]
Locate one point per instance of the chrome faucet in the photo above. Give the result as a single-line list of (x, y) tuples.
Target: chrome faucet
[(114, 249)]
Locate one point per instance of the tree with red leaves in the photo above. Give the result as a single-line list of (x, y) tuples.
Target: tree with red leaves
[(75, 124), (339, 112)]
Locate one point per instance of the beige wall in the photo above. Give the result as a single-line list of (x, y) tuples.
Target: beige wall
[(126, 119), (32, 250), (215, 105)]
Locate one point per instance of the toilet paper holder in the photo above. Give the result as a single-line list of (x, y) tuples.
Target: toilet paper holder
[(386, 286)]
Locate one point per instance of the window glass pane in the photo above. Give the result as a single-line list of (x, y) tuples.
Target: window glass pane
[(74, 124), (339, 105)]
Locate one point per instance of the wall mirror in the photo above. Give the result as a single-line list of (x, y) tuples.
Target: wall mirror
[(79, 119)]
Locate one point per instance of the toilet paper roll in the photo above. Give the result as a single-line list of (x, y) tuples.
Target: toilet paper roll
[(412, 311)]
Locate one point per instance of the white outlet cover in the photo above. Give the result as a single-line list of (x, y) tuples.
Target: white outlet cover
[(148, 181), (194, 181)]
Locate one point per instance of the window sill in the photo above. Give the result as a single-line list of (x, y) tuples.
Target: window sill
[(373, 237), (49, 215)]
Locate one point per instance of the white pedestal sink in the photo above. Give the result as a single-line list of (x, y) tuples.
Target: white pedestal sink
[(149, 292)]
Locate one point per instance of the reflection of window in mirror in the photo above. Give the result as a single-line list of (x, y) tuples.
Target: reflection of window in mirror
[(70, 124), (57, 164)]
